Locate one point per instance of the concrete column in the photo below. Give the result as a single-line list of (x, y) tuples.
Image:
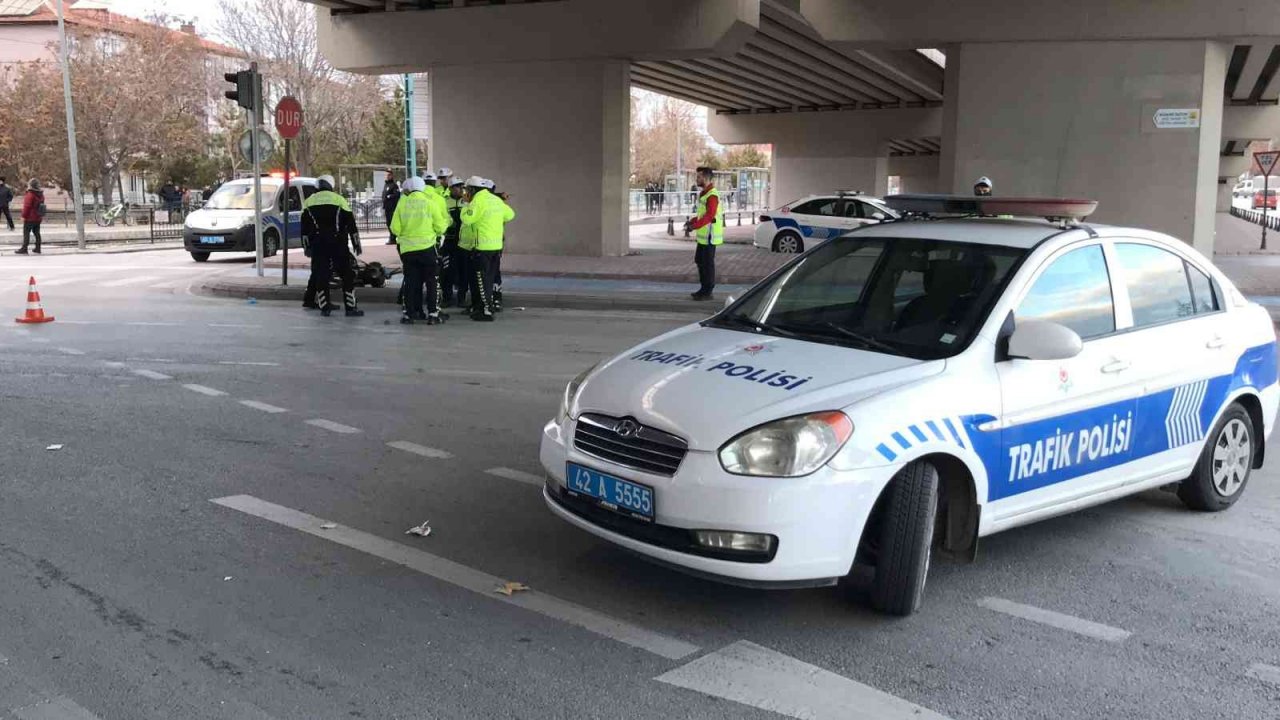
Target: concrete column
[(1225, 186), (798, 172), (1077, 119), (555, 135), (918, 173)]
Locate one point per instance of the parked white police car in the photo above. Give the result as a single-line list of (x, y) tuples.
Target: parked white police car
[(916, 385), (798, 226)]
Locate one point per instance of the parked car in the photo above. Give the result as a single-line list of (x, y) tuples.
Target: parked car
[(225, 223), (1265, 199), (797, 226)]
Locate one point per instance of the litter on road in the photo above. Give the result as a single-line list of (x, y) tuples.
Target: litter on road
[(511, 588), (54, 447), (328, 526), (422, 530)]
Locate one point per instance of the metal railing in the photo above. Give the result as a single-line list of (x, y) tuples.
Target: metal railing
[(642, 205), (1257, 217)]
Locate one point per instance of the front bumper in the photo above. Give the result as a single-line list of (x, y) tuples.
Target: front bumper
[(763, 235), (231, 240), (817, 519)]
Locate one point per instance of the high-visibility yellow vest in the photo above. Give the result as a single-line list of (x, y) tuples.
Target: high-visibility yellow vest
[(413, 223), (712, 233), (486, 216)]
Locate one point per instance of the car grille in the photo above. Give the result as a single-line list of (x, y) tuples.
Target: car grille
[(625, 442)]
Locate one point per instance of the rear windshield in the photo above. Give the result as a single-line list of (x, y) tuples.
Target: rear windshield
[(914, 297)]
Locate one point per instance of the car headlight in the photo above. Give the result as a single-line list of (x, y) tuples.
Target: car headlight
[(571, 390), (790, 447)]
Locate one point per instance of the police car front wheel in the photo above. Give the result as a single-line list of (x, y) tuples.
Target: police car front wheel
[(904, 539), (788, 242), (1223, 469)]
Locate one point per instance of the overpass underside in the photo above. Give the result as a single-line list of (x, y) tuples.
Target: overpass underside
[(1057, 98)]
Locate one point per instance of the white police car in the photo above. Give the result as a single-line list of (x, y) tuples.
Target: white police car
[(913, 386), (798, 226)]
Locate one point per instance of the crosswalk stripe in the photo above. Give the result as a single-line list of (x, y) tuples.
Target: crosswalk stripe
[(517, 475), (762, 678), (1070, 623), (138, 280)]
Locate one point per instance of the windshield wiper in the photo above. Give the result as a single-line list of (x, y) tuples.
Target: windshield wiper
[(757, 325), (865, 340)]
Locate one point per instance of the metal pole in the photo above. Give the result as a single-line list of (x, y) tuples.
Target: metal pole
[(679, 167), (1266, 201), (288, 209), (72, 150), (255, 117), (410, 152)]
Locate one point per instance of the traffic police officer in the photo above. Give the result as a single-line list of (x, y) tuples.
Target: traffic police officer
[(327, 225), (485, 215), (708, 228), (419, 223), (444, 178), (454, 281)]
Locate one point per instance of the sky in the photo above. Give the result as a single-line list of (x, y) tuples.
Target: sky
[(204, 13)]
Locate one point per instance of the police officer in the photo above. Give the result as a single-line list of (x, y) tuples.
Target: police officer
[(497, 263), (468, 297), (444, 178), (982, 187), (485, 215), (454, 281), (419, 224), (327, 225), (708, 228), (390, 196)]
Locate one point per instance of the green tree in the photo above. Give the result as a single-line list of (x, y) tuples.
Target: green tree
[(740, 156), (384, 140)]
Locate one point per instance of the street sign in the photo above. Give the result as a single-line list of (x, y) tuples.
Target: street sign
[(288, 117), (1266, 161), (1174, 118), (266, 145)]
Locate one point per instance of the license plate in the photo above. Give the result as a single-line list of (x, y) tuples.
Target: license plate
[(622, 496), (211, 239)]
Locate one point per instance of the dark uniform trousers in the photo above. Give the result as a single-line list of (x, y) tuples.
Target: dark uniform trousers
[(705, 258), (483, 264), (327, 258), (421, 267)]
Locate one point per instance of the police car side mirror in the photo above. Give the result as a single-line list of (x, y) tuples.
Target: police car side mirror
[(728, 301), (878, 216), (1044, 340)]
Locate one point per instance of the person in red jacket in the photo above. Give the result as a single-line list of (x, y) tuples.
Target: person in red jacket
[(32, 215)]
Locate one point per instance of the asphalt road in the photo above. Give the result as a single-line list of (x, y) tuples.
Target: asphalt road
[(127, 593)]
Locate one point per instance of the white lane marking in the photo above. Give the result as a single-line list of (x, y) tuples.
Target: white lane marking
[(149, 360), (70, 351), (355, 367), (1266, 673), (137, 280), (57, 708), (204, 390), (417, 449), (332, 426), (462, 576), (153, 324), (517, 475), (42, 284), (112, 364), (263, 406), (253, 364), (152, 374), (232, 325), (1070, 623), (762, 678)]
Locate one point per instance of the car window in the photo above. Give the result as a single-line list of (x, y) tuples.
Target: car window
[(308, 191), (818, 207), (1075, 291), (1157, 282), (295, 201), (1203, 296), (853, 209), (915, 297)]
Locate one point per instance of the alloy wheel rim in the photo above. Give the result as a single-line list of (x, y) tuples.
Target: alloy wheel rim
[(1232, 454)]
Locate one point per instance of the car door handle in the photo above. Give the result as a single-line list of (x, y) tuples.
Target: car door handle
[(1116, 366), (1215, 342)]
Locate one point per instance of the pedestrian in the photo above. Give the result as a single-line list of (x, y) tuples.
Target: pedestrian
[(454, 283), (206, 193), (171, 196), (982, 188), (327, 226), (419, 224), (33, 211), (486, 214), (6, 198), (708, 229), (390, 196)]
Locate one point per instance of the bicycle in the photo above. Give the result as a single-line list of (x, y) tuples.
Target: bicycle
[(107, 217)]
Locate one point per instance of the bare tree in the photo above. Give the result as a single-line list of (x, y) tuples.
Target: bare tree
[(655, 133)]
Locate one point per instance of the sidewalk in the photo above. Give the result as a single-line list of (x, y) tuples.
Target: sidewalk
[(55, 235)]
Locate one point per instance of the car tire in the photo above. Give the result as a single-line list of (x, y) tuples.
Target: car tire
[(200, 256), (789, 242), (1223, 469), (906, 540), (270, 244)]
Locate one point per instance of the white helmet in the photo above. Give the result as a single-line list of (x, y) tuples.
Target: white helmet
[(475, 181), (444, 172), (414, 184), (488, 184), (327, 180), (984, 180), (456, 182), (427, 175)]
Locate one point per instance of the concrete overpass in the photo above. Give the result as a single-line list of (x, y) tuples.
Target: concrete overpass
[(1045, 97)]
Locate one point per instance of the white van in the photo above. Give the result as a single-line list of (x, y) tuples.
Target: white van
[(225, 223)]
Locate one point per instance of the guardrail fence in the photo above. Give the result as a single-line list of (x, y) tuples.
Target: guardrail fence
[(1257, 217)]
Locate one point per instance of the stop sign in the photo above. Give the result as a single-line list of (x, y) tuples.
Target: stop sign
[(288, 117)]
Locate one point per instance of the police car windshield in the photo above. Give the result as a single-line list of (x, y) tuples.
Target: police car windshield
[(905, 296), (239, 196)]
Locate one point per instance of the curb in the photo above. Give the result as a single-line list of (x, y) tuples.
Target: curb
[(387, 296), (91, 250)]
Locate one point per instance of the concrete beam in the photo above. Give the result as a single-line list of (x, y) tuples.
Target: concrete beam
[(1251, 122), (844, 132), (417, 40), (931, 23)]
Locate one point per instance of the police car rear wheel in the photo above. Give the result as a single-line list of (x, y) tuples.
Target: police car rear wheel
[(1223, 469), (906, 540), (200, 256), (270, 244), (788, 242)]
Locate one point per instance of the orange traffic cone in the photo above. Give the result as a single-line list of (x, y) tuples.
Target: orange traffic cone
[(35, 313)]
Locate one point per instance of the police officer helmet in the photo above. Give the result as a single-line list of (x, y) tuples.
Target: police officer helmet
[(983, 186), (444, 172), (325, 182), (457, 182), (475, 181), (414, 184)]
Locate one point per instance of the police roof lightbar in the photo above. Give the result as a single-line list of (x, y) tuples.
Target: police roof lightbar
[(1052, 209)]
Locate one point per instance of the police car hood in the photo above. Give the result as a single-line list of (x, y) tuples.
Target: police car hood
[(209, 219), (708, 384)]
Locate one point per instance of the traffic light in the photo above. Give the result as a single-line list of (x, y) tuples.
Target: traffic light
[(243, 82)]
